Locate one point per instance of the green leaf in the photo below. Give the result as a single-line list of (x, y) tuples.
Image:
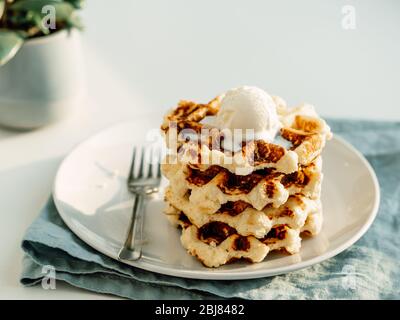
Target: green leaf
[(10, 43), (35, 5), (37, 19), (30, 14), (64, 10), (2, 6), (78, 4)]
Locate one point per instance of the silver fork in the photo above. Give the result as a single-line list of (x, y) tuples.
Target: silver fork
[(142, 184)]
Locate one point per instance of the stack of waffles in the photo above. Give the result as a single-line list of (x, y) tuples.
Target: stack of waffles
[(242, 204)]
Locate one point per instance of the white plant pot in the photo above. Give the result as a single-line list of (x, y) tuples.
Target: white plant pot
[(42, 82)]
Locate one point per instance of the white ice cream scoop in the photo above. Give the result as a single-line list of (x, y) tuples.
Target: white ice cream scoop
[(250, 110)]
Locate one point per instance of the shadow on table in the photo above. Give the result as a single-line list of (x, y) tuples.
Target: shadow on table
[(9, 133)]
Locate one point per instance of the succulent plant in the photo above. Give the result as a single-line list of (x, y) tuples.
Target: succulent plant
[(21, 20)]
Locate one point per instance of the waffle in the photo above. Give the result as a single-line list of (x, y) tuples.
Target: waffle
[(215, 186), (303, 131), (216, 243), (244, 203), (246, 220), (313, 224)]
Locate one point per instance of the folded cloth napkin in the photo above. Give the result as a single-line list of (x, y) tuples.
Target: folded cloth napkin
[(367, 270)]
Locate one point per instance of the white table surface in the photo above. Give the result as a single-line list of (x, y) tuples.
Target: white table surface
[(143, 56)]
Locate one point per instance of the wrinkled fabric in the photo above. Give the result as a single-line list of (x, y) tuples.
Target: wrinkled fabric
[(369, 269)]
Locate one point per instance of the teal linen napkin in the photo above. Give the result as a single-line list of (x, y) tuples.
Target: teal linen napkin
[(370, 269)]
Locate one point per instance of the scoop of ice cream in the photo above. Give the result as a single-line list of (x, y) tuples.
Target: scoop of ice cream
[(251, 110)]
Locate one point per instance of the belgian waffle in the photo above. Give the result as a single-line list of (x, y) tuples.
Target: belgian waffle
[(217, 243), (243, 217), (216, 185), (303, 130), (242, 204)]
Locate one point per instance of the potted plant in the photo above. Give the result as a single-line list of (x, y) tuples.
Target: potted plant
[(40, 61)]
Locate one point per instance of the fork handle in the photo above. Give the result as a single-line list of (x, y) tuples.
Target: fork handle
[(137, 237), (132, 249)]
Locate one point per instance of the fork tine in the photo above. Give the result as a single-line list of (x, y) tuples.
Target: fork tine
[(141, 166), (131, 169)]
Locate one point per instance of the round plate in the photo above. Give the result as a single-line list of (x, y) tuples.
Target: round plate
[(91, 196)]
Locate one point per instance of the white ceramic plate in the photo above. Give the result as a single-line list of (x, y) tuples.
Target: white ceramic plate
[(91, 196)]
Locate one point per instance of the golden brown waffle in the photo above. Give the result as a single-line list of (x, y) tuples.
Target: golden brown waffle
[(217, 243), (215, 186), (245, 203), (303, 129), (245, 219)]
